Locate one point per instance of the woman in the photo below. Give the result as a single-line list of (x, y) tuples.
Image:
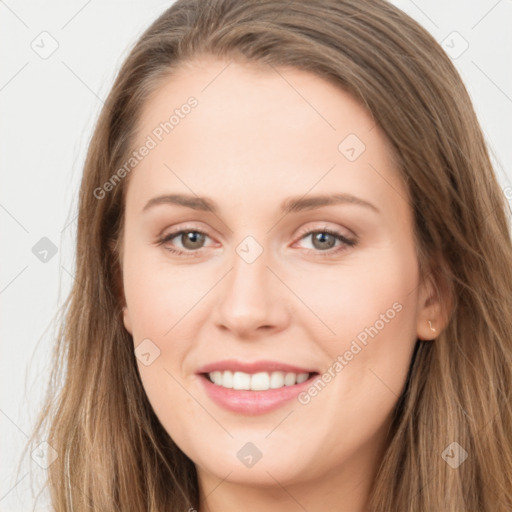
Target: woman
[(238, 368)]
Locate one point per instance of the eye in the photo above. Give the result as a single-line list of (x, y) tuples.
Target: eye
[(323, 240), (191, 240)]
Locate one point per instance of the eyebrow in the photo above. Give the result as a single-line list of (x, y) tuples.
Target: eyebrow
[(292, 204)]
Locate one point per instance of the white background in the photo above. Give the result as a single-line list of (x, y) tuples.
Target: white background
[(48, 109)]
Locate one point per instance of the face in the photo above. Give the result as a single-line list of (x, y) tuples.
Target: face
[(304, 312)]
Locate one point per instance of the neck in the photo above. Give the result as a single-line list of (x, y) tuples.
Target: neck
[(349, 496)]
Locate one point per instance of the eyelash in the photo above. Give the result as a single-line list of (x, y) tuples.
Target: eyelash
[(348, 243)]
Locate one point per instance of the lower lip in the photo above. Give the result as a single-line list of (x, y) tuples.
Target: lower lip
[(253, 402)]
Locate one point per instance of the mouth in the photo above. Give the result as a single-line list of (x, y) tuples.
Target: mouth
[(253, 388)]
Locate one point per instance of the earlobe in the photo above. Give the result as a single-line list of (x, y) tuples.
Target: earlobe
[(427, 332)]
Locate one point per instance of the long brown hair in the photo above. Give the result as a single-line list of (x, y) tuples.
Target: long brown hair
[(113, 454)]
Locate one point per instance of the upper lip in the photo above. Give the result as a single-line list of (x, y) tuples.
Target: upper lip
[(252, 367)]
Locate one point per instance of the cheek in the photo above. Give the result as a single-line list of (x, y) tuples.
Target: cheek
[(345, 300), (372, 309), (158, 298), (158, 293)]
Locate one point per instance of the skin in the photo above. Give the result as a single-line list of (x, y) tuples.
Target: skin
[(257, 137)]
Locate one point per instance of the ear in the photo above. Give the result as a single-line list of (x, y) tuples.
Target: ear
[(433, 309), (127, 320), (118, 283)]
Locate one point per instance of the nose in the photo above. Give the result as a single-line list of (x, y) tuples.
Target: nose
[(251, 301)]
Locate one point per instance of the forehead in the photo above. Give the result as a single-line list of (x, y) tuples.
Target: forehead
[(231, 94), (255, 130)]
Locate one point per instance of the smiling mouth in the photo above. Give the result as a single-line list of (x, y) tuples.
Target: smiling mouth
[(260, 381)]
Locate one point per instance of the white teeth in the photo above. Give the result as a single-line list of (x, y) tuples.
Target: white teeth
[(216, 377), (260, 381), (289, 379), (241, 380), (276, 380), (302, 377), (226, 379)]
